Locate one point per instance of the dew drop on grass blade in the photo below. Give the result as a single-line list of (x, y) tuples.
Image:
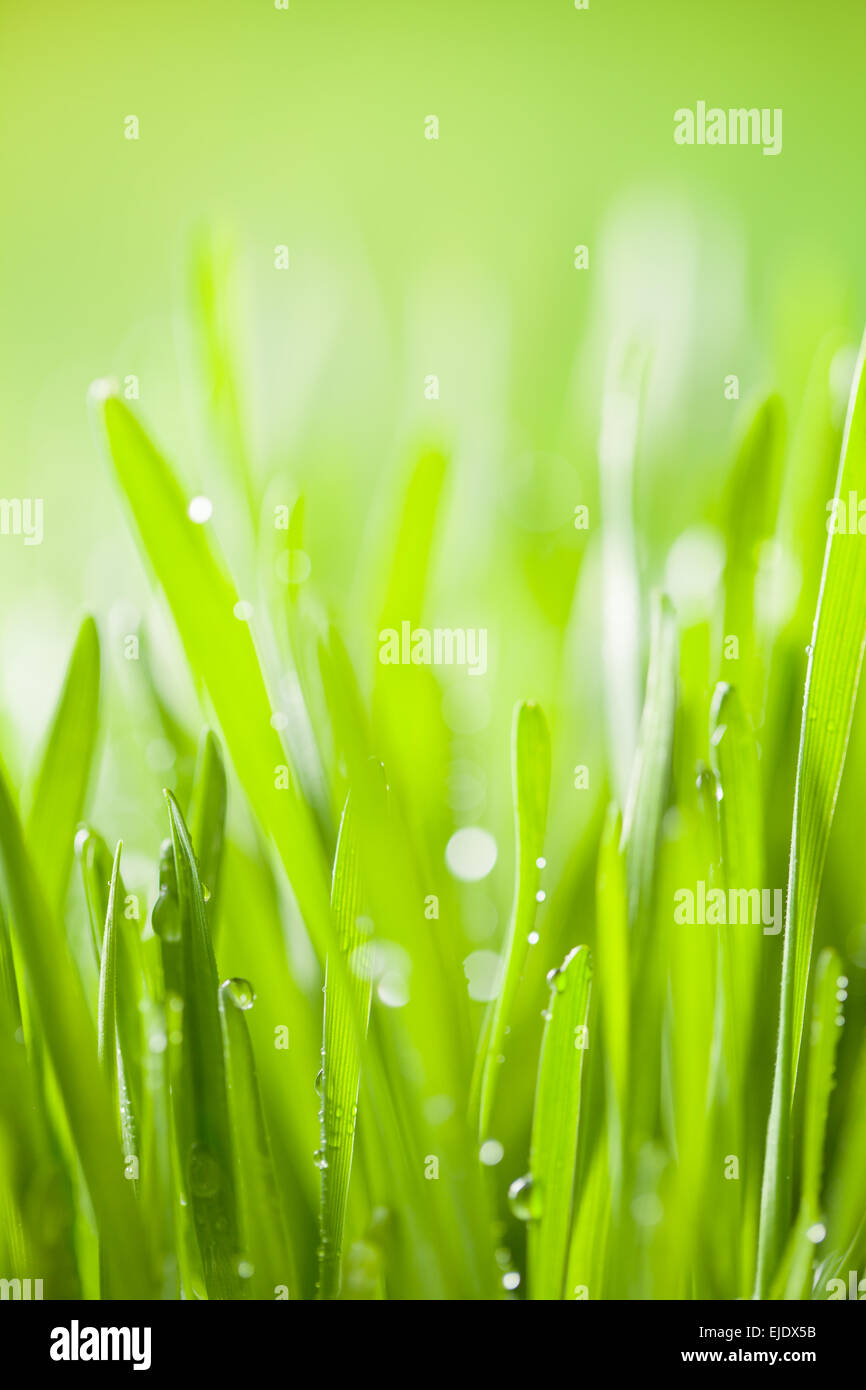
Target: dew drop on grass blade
[(794, 1278), (71, 1041), (549, 1186), (832, 678), (530, 773), (341, 1051), (201, 1108), (208, 821), (267, 1264), (221, 653)]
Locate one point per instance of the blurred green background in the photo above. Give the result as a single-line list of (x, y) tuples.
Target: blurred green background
[(407, 257)]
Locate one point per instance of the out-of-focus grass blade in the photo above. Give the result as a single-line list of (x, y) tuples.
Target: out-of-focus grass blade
[(341, 1053), (832, 678), (212, 287), (221, 652), (794, 1279), (553, 1150), (68, 1031), (750, 506), (530, 770), (61, 785), (208, 819), (203, 1128), (267, 1264), (734, 756), (651, 774)]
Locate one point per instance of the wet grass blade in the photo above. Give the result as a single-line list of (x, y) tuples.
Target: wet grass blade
[(341, 1053), (530, 770), (58, 798), (553, 1150), (832, 679), (221, 652), (267, 1266), (794, 1280), (70, 1037), (208, 820), (203, 1128)]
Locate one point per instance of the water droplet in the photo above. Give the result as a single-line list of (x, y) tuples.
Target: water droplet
[(491, 1153), (816, 1233), (200, 510), (524, 1198), (245, 1269), (240, 992), (557, 979), (533, 938), (471, 853), (320, 1082), (541, 863), (320, 1159), (511, 1280)]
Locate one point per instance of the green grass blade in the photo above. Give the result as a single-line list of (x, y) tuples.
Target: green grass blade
[(612, 964), (203, 1127), (553, 1150), (267, 1265), (530, 771), (648, 791), (794, 1279), (341, 1053), (221, 652), (208, 819), (70, 1037), (58, 800), (832, 678)]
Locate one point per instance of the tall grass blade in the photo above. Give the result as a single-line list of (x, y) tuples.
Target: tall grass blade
[(553, 1150), (341, 1053), (530, 775), (832, 679)]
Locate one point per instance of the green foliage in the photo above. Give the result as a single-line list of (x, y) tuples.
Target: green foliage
[(317, 1065)]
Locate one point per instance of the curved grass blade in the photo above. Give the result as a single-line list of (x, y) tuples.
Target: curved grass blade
[(341, 1053), (58, 799), (221, 653), (553, 1149), (202, 1116), (832, 679), (68, 1031), (268, 1263), (530, 771)]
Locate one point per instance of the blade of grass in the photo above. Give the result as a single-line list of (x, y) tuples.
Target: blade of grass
[(341, 1054), (832, 679), (203, 1128), (208, 820), (267, 1264), (794, 1279), (58, 800), (220, 650), (553, 1148), (70, 1038), (530, 771)]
